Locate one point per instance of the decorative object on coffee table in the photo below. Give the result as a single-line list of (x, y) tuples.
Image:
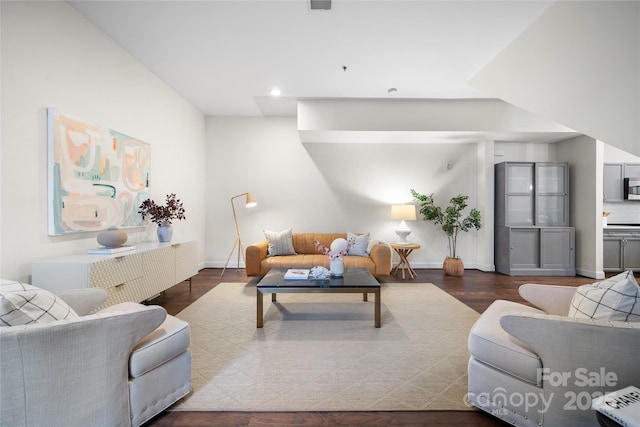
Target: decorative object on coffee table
[(112, 238), (339, 248), (403, 213), (249, 203), (163, 215), (452, 222)]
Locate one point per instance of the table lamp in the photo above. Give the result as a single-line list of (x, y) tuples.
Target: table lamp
[(403, 213)]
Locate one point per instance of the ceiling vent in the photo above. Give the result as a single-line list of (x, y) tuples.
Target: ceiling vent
[(320, 4)]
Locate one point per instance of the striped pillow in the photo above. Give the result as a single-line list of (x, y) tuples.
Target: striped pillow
[(280, 243), (615, 299), (21, 304)]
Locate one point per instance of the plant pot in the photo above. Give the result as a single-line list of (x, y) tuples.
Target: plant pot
[(165, 232), (453, 266)]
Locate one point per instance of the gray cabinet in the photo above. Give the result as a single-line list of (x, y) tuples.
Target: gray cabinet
[(532, 194), (535, 251), (612, 186), (631, 170), (621, 250), (613, 175), (532, 233)]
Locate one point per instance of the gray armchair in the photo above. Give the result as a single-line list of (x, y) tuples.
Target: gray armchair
[(119, 366), (539, 367)]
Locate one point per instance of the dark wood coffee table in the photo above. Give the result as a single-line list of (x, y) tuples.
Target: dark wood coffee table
[(354, 281)]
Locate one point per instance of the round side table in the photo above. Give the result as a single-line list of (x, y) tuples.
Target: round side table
[(403, 252)]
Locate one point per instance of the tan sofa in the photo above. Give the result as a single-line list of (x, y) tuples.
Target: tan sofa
[(258, 263)]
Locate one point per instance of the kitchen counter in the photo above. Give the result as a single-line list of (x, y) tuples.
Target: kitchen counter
[(615, 227)]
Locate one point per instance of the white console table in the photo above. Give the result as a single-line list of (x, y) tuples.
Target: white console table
[(135, 275)]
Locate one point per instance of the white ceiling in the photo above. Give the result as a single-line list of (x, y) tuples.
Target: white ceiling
[(225, 56)]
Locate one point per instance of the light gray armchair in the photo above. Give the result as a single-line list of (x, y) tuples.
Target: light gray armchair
[(539, 367), (119, 366)]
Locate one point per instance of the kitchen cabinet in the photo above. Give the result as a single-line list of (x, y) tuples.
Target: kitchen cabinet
[(136, 275), (632, 170), (612, 188), (532, 233), (621, 250), (613, 176), (535, 251)]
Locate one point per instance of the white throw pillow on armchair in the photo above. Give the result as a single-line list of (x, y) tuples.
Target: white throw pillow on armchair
[(22, 304), (615, 299)]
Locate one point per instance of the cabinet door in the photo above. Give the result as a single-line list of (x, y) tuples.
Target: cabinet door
[(612, 186), (612, 254), (524, 248), (520, 194), (631, 170), (186, 261), (552, 195), (631, 253), (159, 270), (557, 248)]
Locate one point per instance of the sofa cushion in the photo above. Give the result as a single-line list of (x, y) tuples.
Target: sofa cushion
[(360, 244), (280, 242), (616, 298), (492, 345), (21, 304)]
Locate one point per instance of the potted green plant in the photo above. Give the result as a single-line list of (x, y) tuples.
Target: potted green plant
[(452, 221), (163, 215)]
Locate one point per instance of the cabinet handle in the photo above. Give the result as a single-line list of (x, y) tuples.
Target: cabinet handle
[(120, 285), (119, 257)]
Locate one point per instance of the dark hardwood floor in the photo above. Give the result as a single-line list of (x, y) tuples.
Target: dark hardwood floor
[(475, 288)]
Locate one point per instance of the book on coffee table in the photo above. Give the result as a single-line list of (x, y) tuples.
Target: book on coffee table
[(296, 274), (622, 406)]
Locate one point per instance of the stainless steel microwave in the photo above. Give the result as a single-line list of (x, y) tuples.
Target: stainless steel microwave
[(631, 189)]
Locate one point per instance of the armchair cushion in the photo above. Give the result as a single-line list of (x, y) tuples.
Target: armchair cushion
[(22, 304), (616, 298), (490, 344)]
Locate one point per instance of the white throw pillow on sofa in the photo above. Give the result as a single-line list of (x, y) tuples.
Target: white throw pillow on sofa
[(616, 298), (360, 244), (21, 304), (280, 242)]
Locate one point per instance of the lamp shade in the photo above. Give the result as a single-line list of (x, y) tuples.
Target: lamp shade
[(403, 212), (250, 201)]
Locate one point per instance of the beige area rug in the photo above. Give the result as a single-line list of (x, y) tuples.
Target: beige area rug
[(321, 352)]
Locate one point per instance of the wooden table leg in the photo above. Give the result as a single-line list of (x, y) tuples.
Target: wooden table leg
[(377, 308), (259, 309), (365, 297)]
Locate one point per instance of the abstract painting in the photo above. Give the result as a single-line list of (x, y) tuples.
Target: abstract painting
[(97, 176)]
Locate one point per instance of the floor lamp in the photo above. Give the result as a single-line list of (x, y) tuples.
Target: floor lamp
[(249, 203)]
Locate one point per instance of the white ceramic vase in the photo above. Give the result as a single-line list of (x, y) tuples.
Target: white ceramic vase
[(336, 267), (165, 232)]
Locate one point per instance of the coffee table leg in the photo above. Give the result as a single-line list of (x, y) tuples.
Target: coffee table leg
[(259, 309), (365, 297), (377, 308)]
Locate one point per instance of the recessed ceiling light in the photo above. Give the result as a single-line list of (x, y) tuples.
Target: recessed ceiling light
[(275, 92), (392, 90)]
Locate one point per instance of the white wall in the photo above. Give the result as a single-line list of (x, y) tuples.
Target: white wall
[(585, 201), (317, 187), (52, 57), (578, 64)]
